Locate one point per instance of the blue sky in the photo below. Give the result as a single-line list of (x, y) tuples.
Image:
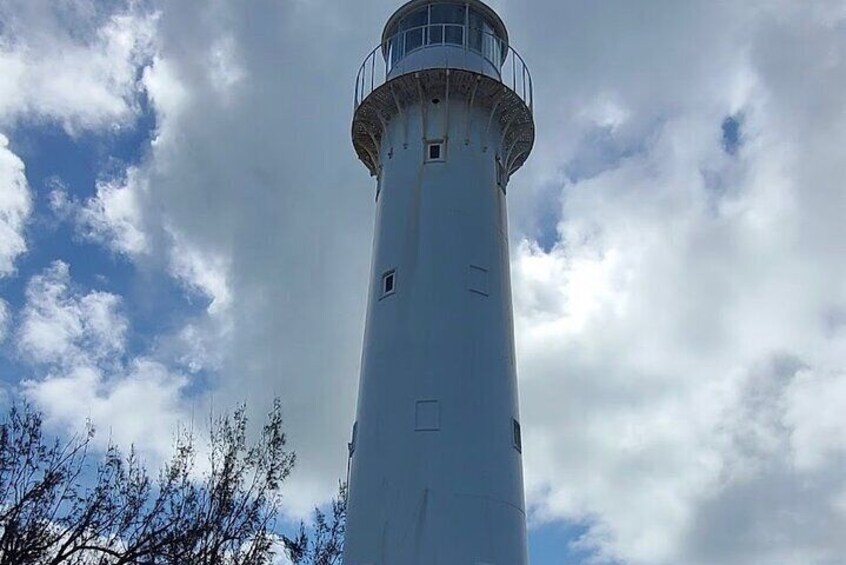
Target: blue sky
[(185, 226)]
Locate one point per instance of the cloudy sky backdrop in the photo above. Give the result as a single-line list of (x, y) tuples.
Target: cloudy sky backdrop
[(183, 225)]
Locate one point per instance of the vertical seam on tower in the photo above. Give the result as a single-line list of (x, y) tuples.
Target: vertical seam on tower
[(446, 119), (470, 110), (402, 115), (423, 113), (487, 134)]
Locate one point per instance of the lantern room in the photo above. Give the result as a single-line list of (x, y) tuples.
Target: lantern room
[(466, 35)]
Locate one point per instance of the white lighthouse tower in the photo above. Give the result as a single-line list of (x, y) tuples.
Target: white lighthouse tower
[(443, 117)]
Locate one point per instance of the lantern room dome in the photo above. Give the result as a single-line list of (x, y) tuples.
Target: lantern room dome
[(473, 14)]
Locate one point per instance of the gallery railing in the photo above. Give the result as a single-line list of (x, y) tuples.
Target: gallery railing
[(505, 64)]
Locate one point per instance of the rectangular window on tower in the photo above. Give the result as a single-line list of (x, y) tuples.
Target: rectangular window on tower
[(435, 151), (389, 283)]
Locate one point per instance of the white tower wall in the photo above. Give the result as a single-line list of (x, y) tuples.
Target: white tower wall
[(444, 338)]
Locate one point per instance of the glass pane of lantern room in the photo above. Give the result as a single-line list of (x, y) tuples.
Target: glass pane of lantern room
[(436, 34), (447, 14), (491, 46), (476, 30), (417, 18), (415, 23), (454, 34), (396, 47), (452, 16)]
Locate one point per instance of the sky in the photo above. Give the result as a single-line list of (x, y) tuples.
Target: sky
[(184, 226)]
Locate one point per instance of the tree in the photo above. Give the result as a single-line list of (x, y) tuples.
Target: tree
[(58, 507), (325, 545)]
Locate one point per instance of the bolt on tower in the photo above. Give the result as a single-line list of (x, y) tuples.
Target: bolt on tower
[(443, 118)]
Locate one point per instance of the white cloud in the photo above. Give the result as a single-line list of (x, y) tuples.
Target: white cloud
[(280, 557), (202, 272), (5, 316), (15, 208), (814, 412), (166, 92), (113, 216), (76, 343), (140, 405), (60, 327), (72, 62), (226, 73)]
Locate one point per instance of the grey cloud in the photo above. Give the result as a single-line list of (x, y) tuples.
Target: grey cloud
[(764, 509), (771, 519), (679, 320), (263, 171)]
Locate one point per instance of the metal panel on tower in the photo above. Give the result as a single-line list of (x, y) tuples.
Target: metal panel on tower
[(443, 118)]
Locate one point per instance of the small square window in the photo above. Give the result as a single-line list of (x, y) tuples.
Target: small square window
[(518, 438), (389, 283), (435, 151), (427, 416)]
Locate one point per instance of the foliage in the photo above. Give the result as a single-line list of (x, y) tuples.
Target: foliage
[(325, 546), (59, 507)]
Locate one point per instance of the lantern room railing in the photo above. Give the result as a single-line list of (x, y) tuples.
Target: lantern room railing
[(503, 62)]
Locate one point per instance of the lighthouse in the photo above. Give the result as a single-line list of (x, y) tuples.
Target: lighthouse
[(443, 118)]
